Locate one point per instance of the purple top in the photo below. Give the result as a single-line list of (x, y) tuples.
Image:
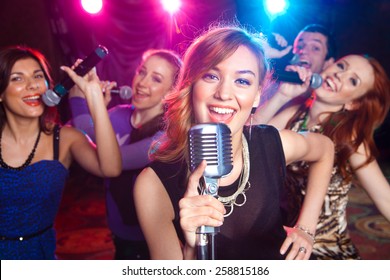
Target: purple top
[(134, 159)]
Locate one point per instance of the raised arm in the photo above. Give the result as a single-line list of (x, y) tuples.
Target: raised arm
[(81, 118), (285, 93), (318, 150), (271, 52), (104, 159), (371, 178), (134, 155)]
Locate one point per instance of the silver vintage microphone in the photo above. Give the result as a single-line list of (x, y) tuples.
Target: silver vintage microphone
[(211, 142)]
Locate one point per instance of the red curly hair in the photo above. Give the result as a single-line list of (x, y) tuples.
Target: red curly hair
[(350, 129)]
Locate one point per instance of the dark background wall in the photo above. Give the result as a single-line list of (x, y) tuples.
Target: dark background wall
[(127, 27), (63, 32)]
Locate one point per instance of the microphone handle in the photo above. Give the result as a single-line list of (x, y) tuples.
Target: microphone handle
[(83, 68), (316, 79), (116, 90), (209, 186), (288, 76), (293, 77), (202, 243)]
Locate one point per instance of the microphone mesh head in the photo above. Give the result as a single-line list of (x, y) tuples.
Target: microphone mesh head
[(316, 81), (125, 92), (50, 98), (211, 142)]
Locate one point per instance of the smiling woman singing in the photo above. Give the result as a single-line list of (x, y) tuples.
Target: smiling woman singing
[(221, 81), (35, 152)]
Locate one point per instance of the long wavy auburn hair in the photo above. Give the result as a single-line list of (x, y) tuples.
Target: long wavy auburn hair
[(350, 128), (207, 51)]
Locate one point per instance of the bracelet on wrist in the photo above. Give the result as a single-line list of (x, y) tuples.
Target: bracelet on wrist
[(305, 230)]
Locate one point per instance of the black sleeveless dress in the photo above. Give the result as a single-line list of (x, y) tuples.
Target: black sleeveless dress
[(254, 230)]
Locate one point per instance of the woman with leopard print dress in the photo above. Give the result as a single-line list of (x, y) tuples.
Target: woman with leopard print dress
[(351, 103)]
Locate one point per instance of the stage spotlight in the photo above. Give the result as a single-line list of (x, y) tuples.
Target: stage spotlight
[(171, 6), (92, 6), (274, 8)]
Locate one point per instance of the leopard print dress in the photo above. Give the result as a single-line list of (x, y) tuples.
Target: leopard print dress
[(332, 239)]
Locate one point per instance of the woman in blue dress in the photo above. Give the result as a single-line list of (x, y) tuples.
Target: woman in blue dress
[(35, 152)]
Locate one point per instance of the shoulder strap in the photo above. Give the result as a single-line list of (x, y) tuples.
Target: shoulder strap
[(56, 142)]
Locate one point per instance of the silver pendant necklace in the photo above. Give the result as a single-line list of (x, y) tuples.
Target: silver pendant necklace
[(230, 201)]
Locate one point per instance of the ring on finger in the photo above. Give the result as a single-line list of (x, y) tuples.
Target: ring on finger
[(302, 249)]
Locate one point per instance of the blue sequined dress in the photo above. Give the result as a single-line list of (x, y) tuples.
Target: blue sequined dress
[(29, 202)]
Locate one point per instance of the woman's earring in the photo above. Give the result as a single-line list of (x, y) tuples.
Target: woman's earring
[(251, 121)]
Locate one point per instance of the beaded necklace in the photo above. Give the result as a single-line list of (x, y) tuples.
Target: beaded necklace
[(243, 185), (27, 162)]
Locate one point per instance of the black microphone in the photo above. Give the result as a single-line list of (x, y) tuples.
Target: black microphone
[(53, 97), (293, 78), (211, 142), (125, 92), (295, 60)]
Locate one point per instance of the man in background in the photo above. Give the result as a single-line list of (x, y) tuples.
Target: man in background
[(314, 48)]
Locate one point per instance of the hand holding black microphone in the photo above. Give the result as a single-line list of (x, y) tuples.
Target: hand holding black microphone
[(52, 97), (293, 77)]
